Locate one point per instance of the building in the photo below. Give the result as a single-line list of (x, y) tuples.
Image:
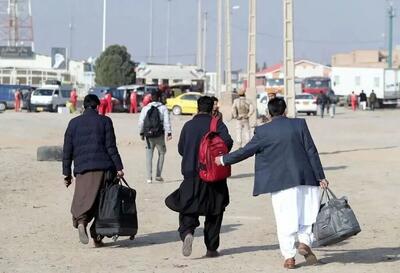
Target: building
[(366, 59), (303, 69), (22, 66), (169, 74)]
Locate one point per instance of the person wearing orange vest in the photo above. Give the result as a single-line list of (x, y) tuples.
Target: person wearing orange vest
[(353, 100), (102, 108), (133, 106), (18, 97), (108, 98), (146, 100), (73, 98)]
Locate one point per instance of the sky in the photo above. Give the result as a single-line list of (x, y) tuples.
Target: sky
[(322, 28)]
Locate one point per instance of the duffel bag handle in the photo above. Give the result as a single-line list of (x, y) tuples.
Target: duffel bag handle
[(329, 194), (123, 180)]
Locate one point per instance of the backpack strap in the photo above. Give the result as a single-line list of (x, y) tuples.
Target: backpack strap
[(214, 123)]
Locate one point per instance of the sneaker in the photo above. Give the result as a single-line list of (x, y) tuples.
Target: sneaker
[(187, 245), (159, 179), (212, 254), (83, 237), (149, 181)]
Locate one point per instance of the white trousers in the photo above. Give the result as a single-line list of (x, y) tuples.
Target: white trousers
[(363, 105), (295, 211)]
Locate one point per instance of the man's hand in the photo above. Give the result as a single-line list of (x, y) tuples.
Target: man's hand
[(324, 183), (142, 136), (67, 181), (120, 173), (218, 160)]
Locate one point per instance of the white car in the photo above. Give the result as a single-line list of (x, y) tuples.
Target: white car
[(49, 98), (306, 103)]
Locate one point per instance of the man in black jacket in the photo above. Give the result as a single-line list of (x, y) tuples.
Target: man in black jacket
[(89, 142), (288, 166), (194, 197)]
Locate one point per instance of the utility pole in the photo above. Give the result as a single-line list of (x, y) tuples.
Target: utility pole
[(288, 51), (228, 48), (251, 91), (168, 30), (150, 57), (199, 56), (104, 23), (204, 47), (390, 36), (219, 49)]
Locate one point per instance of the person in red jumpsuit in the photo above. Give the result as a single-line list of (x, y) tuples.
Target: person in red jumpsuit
[(102, 108), (73, 98), (353, 100), (18, 97), (146, 100), (108, 98), (133, 106)]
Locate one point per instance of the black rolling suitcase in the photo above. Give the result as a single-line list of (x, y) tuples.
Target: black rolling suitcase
[(117, 215)]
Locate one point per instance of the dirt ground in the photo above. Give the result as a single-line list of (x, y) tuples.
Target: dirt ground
[(360, 153)]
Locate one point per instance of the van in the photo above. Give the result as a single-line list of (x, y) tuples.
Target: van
[(50, 97), (7, 95)]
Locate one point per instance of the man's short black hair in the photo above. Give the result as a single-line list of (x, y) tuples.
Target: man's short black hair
[(91, 101), (214, 98), (155, 95), (205, 104), (276, 107)]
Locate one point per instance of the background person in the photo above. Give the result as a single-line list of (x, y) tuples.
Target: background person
[(242, 109), (17, 102), (363, 100), (372, 100)]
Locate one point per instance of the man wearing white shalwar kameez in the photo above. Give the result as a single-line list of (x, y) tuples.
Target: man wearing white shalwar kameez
[(288, 167)]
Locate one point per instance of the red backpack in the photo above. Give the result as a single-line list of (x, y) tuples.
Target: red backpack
[(211, 146)]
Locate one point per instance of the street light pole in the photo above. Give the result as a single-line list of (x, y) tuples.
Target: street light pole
[(204, 47), (228, 48), (104, 23), (168, 30), (219, 49), (288, 49), (200, 49), (150, 57), (251, 91)]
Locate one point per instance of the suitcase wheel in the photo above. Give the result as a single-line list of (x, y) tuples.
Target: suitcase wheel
[(115, 238), (132, 238)]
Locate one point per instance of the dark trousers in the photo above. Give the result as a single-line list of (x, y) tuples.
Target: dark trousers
[(372, 106), (212, 227)]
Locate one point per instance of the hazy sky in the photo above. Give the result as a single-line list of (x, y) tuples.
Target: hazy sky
[(322, 28)]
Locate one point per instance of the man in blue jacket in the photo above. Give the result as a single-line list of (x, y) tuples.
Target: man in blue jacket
[(89, 142), (288, 166)]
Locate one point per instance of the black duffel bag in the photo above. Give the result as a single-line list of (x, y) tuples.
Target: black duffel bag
[(335, 221), (117, 215)]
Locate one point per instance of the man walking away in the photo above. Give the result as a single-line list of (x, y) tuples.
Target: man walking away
[(28, 100), (242, 109), (89, 142), (289, 168), (332, 101), (372, 100), (322, 101), (108, 98), (216, 113), (154, 123), (194, 197), (363, 100)]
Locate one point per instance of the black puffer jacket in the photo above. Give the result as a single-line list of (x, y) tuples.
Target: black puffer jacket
[(89, 141)]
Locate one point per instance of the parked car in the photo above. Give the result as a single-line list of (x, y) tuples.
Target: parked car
[(7, 98), (184, 104), (306, 103), (50, 97)]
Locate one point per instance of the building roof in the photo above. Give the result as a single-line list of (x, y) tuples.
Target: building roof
[(277, 67)]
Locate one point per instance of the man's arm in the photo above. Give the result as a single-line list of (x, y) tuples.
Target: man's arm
[(111, 145), (181, 143), (312, 152), (142, 116), (68, 150), (247, 151)]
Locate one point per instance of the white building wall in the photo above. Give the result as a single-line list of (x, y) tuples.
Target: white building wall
[(175, 74)]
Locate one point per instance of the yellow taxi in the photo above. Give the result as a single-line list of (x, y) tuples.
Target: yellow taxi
[(184, 104)]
